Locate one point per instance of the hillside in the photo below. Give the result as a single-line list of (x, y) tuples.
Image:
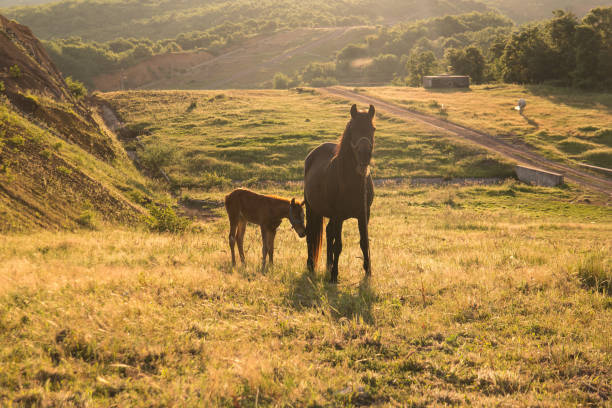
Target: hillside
[(15, 3), (252, 64), (109, 19), (523, 11), (59, 167)]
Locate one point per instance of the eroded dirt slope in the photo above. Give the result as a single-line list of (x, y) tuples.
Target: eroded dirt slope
[(58, 166)]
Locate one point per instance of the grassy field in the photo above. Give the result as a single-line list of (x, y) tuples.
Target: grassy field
[(566, 125), (480, 296), (212, 137)]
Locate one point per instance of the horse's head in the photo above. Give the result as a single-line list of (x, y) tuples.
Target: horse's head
[(361, 137), (296, 217)]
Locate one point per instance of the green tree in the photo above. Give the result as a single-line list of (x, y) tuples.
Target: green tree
[(527, 58), (587, 54), (420, 64), (280, 81), (383, 67), (561, 30), (467, 61)]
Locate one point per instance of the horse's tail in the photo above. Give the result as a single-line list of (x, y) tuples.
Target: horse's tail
[(314, 236)]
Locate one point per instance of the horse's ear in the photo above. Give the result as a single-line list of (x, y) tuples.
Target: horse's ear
[(372, 111), (293, 201), (303, 203), (353, 110)]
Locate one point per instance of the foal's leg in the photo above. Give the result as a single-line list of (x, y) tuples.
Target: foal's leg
[(364, 243), (264, 247), (241, 229), (337, 249), (232, 237), (271, 236)]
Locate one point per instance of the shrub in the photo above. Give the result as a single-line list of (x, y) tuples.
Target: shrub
[(163, 218), (16, 141), (212, 179), (87, 219), (323, 81), (15, 71), (76, 88), (64, 170), (156, 156), (2, 88), (281, 81)]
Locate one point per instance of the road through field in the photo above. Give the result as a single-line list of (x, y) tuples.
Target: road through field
[(520, 153)]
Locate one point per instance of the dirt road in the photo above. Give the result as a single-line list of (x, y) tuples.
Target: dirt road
[(520, 153)]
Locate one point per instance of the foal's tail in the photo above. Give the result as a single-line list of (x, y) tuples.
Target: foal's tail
[(314, 236)]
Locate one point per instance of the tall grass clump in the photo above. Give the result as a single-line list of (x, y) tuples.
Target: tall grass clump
[(163, 218), (595, 272)]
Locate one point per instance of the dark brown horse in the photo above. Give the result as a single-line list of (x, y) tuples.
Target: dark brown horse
[(267, 211), (338, 186)]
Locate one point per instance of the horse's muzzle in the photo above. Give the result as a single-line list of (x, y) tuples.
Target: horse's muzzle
[(363, 153)]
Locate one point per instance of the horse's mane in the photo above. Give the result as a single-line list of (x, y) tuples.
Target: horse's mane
[(343, 142)]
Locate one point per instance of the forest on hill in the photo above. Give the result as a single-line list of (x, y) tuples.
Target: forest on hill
[(88, 38), (563, 50), (105, 20), (414, 38)]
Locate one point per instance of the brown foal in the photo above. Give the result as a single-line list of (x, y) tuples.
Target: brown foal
[(243, 205)]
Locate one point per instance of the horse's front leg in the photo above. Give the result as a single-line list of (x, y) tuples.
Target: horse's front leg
[(364, 243), (337, 249)]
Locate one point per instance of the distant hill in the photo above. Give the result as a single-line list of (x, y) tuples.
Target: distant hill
[(105, 20), (59, 167), (16, 3), (522, 11)]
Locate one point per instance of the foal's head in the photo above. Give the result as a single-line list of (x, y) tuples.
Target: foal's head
[(296, 217), (359, 134)]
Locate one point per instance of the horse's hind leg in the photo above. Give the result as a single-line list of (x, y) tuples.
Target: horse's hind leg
[(232, 237), (314, 235), (241, 229), (329, 232)]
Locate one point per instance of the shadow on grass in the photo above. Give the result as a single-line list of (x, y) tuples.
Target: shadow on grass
[(448, 90), (573, 97), (312, 291), (531, 121)]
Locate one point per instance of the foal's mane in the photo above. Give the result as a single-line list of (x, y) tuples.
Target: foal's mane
[(277, 198)]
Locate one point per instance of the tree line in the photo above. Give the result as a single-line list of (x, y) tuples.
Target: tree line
[(563, 50)]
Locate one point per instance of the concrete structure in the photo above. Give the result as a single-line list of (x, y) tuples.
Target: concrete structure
[(446, 81), (538, 177)]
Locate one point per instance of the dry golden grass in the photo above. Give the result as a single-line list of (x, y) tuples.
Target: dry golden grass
[(475, 300), (568, 125)]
